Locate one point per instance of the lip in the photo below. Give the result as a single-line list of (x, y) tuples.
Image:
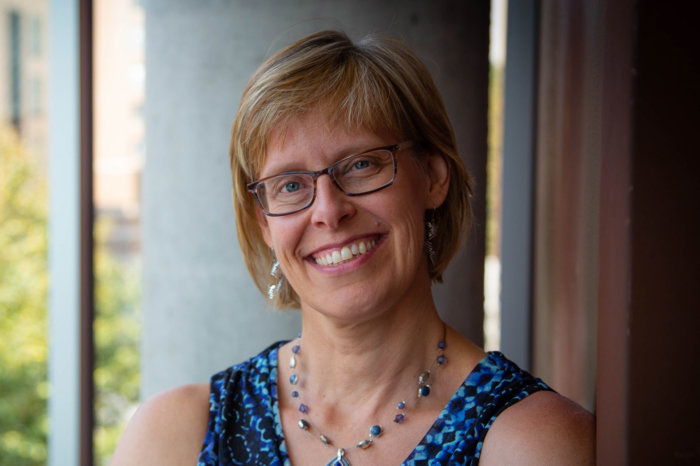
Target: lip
[(329, 249)]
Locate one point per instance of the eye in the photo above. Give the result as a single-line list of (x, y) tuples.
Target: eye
[(365, 163), (291, 187), (361, 164), (289, 184)]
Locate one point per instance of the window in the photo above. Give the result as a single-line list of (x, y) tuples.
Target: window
[(118, 74), (23, 239), (35, 36), (492, 267)]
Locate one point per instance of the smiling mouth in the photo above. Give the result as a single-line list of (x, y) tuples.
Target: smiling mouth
[(346, 253)]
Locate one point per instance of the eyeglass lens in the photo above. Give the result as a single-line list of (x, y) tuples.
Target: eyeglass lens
[(354, 175)]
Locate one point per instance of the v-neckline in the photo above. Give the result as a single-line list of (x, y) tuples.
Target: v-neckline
[(444, 413)]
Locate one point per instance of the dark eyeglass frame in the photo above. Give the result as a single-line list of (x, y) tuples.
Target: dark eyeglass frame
[(393, 148)]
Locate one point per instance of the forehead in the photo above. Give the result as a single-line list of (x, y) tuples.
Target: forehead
[(313, 141)]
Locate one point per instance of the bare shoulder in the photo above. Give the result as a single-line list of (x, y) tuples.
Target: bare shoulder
[(168, 428), (544, 429)]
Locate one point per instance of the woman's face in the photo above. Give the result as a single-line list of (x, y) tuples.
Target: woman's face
[(378, 236)]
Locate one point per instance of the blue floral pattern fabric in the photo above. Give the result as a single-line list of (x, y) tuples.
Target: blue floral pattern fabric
[(245, 428)]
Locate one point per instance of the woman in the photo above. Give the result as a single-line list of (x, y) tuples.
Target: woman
[(351, 200)]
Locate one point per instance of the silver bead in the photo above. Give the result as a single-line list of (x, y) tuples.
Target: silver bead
[(365, 444), (424, 377), (292, 362), (303, 425), (325, 439)]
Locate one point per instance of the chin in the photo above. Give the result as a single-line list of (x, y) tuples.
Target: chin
[(351, 305)]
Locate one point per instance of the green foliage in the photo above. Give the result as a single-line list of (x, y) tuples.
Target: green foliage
[(23, 320), (494, 165), (23, 298), (117, 344)]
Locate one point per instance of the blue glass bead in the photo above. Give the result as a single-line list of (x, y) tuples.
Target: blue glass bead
[(441, 360), (399, 418), (293, 379), (295, 394), (401, 405), (303, 408), (375, 430), (339, 460), (424, 391), (296, 349), (441, 345)]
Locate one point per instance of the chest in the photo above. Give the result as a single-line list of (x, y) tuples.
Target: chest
[(394, 445)]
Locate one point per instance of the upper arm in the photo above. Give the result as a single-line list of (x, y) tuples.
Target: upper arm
[(543, 429), (168, 428)]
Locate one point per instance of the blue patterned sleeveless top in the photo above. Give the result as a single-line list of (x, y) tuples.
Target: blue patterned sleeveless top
[(245, 429)]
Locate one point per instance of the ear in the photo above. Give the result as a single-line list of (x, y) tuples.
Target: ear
[(438, 179), (264, 226)]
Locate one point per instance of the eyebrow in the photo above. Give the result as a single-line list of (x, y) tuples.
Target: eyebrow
[(286, 167)]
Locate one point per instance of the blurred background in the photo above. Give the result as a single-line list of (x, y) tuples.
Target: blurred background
[(25, 157), (120, 273)]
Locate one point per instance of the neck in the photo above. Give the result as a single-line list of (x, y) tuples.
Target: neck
[(364, 367)]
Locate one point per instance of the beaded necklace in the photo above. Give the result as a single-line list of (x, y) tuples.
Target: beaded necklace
[(376, 430)]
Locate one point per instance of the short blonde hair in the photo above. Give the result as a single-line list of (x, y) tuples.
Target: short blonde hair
[(376, 84)]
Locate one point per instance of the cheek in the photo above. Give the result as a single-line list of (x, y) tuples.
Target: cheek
[(407, 221), (286, 234), (412, 219), (282, 233), (264, 227), (416, 233)]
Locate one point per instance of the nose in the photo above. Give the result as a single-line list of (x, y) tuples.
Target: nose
[(331, 206)]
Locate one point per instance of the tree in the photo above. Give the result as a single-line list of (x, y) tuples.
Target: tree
[(117, 343), (23, 302), (23, 319)]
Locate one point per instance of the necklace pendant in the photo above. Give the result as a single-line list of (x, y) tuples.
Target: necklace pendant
[(339, 460)]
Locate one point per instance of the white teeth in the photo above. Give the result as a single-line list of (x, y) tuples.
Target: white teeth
[(346, 253)]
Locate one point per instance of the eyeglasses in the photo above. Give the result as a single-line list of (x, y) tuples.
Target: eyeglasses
[(354, 175)]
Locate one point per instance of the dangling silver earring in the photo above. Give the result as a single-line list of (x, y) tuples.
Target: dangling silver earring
[(431, 230), (276, 273)]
